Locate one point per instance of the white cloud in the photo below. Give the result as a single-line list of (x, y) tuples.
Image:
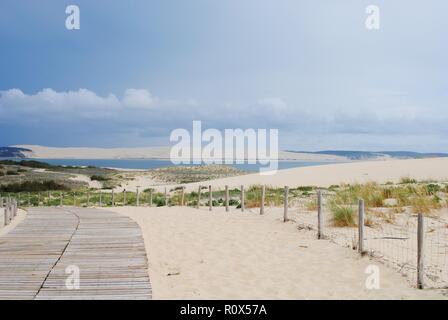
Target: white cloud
[(140, 114), (138, 98)]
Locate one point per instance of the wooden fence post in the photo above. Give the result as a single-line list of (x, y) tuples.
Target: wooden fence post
[(420, 252), (263, 196), (320, 234), (199, 197), (242, 198), (210, 198), (150, 198), (286, 205), (113, 198), (182, 199), (5, 212), (88, 198), (101, 199), (124, 198), (227, 198), (29, 199), (60, 199), (74, 199), (361, 226), (166, 197)]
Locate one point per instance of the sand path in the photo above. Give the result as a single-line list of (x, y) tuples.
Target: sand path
[(195, 254)]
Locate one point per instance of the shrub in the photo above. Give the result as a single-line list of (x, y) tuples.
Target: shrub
[(233, 202), (11, 173), (343, 215), (311, 205), (305, 188), (432, 188), (99, 178), (407, 180), (32, 186), (422, 203)]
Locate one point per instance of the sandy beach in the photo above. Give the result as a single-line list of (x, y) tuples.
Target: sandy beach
[(195, 254)]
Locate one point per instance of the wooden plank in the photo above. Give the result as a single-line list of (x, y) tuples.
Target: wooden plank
[(107, 248)]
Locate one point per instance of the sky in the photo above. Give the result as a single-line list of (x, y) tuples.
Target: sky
[(138, 69)]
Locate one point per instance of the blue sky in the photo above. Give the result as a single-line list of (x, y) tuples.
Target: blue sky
[(138, 69)]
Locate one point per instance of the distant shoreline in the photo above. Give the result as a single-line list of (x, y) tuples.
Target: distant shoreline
[(148, 164)]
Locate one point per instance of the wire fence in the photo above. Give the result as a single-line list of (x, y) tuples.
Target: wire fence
[(8, 210), (392, 238)]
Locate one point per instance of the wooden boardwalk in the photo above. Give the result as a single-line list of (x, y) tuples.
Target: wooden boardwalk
[(37, 256)]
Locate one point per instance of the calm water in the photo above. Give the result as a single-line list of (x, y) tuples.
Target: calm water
[(152, 164)]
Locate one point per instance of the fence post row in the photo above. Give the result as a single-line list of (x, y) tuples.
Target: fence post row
[(9, 207)]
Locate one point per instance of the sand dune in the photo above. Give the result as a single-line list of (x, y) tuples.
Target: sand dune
[(326, 175), (144, 153)]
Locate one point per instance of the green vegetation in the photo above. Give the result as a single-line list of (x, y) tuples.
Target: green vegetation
[(407, 180), (99, 178), (32, 186), (418, 197), (343, 215)]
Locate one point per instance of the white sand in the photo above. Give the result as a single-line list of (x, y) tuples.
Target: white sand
[(195, 254), (361, 172), (326, 175), (84, 178)]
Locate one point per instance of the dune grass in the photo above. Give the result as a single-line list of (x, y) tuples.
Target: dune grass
[(343, 215)]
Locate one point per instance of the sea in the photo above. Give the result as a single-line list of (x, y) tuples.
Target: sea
[(154, 163)]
